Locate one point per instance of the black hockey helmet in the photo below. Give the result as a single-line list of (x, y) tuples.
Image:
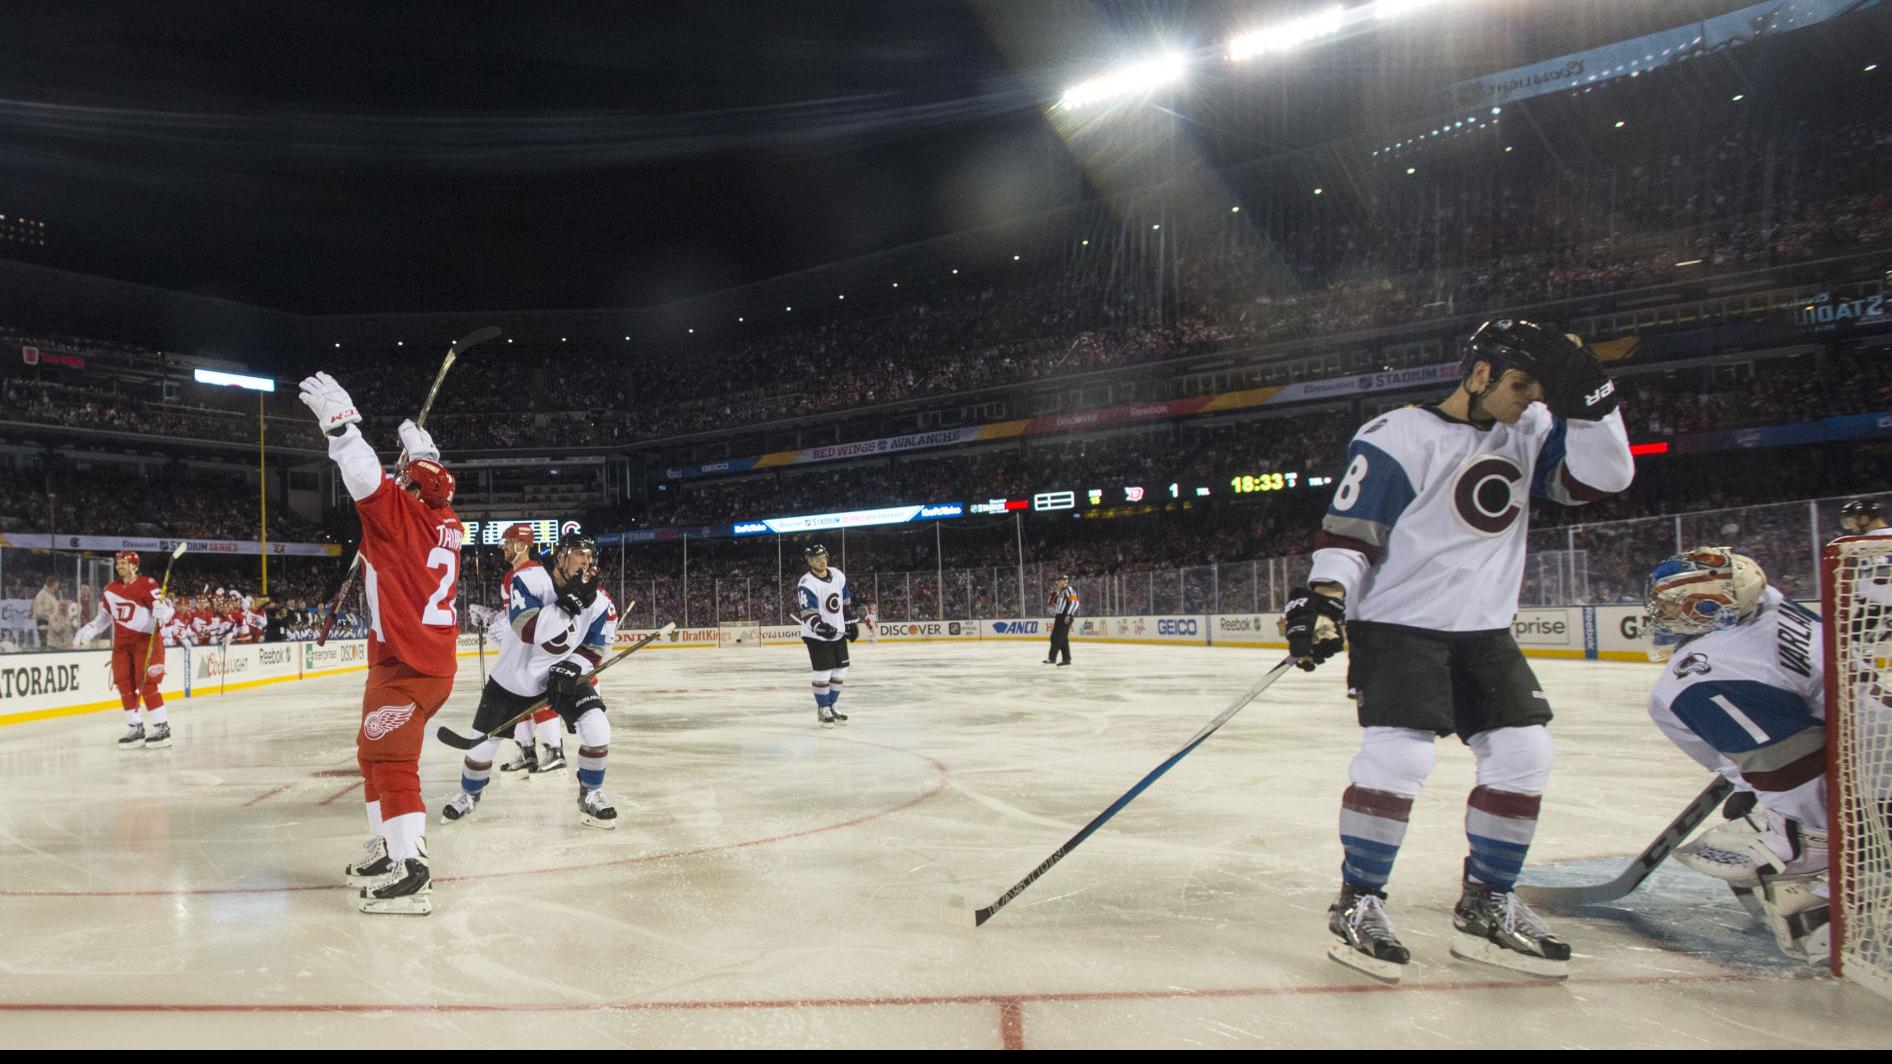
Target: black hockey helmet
[(576, 541), (1510, 343), (813, 550)]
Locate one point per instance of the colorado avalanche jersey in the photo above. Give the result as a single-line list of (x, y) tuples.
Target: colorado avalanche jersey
[(1753, 694), (1427, 527), (542, 633), (818, 599), (127, 607)]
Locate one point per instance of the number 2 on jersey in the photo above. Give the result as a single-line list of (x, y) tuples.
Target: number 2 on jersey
[(437, 558)]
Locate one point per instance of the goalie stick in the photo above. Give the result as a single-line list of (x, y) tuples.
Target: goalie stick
[(1645, 862), (477, 336), (982, 915), (461, 742)]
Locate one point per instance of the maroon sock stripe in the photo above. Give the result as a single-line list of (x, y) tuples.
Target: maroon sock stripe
[(1383, 804), (1507, 804)]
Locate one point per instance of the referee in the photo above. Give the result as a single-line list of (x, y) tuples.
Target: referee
[(1063, 606)]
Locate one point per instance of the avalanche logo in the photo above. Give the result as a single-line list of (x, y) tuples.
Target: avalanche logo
[(1485, 494), (1695, 663), (386, 720)]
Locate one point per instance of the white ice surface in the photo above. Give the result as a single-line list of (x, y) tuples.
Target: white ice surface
[(771, 881)]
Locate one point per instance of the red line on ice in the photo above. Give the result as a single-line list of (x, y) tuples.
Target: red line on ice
[(272, 792)]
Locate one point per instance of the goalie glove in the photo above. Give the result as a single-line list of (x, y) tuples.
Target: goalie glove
[(1316, 626), (330, 403), (418, 443)]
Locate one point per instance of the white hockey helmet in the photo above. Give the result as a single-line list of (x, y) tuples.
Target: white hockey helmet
[(1702, 590)]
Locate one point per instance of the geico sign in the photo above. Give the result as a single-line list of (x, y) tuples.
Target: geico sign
[(1172, 626)]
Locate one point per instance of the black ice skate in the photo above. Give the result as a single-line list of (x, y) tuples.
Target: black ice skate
[(1367, 942), (1495, 927), (157, 737), (133, 739), (407, 890), (374, 864), (527, 761), (461, 807), (552, 760), (839, 717), (826, 716), (594, 810)]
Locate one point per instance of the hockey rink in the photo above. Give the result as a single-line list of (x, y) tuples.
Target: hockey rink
[(775, 885)]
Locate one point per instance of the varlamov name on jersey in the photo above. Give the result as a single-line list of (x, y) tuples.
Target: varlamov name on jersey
[(1427, 527), (827, 598), (542, 633)]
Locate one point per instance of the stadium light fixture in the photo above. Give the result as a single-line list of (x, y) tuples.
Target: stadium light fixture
[(1136, 79), (1015, 257), (1619, 123), (1235, 209), (234, 380), (1689, 262), (1507, 149), (338, 347), (1410, 170), (1286, 35), (1738, 97), (1870, 67)]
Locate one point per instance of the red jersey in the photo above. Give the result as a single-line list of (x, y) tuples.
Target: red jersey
[(410, 556), (129, 606)]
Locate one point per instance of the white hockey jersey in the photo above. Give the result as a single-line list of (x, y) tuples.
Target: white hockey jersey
[(1427, 528), (542, 633), (1751, 698), (817, 599)]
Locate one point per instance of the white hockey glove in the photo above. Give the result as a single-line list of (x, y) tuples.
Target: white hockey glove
[(418, 444), (329, 401), (84, 635), (163, 611), (481, 616)]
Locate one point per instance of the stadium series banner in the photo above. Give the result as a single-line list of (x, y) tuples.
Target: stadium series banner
[(1247, 398), (1637, 55), (113, 544)]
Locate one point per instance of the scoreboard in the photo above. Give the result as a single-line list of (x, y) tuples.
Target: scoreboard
[(545, 530)]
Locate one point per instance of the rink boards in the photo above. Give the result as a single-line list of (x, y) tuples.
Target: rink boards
[(40, 686)]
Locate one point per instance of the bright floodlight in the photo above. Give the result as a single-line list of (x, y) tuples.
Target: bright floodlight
[(1286, 35), (1134, 80), (234, 380)]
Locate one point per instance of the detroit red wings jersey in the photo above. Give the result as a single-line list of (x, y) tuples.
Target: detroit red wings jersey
[(129, 607), (1427, 527), (410, 555)]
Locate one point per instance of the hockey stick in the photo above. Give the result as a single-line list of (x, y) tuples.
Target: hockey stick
[(156, 635), (981, 916), (477, 336), (1645, 862), (462, 742)]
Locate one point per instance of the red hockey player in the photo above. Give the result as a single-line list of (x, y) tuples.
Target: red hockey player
[(134, 608), (410, 552)]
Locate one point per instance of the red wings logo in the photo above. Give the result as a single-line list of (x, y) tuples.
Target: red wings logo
[(386, 720)]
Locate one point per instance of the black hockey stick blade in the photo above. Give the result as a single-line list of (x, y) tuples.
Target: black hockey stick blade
[(477, 336), (980, 916), (463, 742), (1645, 862)]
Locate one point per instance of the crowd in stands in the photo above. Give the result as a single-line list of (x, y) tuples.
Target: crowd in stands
[(96, 501)]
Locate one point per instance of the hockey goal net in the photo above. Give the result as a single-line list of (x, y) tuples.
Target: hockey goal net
[(739, 635), (1856, 600)]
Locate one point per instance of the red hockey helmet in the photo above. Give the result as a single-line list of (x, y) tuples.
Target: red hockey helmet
[(126, 556), (520, 533), (431, 478)]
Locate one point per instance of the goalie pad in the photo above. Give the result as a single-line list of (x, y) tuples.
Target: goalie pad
[(1797, 912)]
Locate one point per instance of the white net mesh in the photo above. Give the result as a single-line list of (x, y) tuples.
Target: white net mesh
[(1859, 732), (741, 635)]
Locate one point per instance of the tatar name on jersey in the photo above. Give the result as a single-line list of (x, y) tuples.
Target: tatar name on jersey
[(1446, 504), (828, 598), (1763, 676), (549, 636)]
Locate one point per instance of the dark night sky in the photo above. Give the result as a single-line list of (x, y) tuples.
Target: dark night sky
[(333, 158)]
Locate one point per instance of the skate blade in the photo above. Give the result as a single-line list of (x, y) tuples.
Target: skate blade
[(594, 822), (159, 745), (1483, 951), (139, 745), (419, 904), (1384, 971), (827, 724)]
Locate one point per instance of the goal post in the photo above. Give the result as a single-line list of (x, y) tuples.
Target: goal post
[(1856, 612)]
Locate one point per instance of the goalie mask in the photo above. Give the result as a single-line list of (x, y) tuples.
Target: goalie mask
[(431, 479), (1707, 589)]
